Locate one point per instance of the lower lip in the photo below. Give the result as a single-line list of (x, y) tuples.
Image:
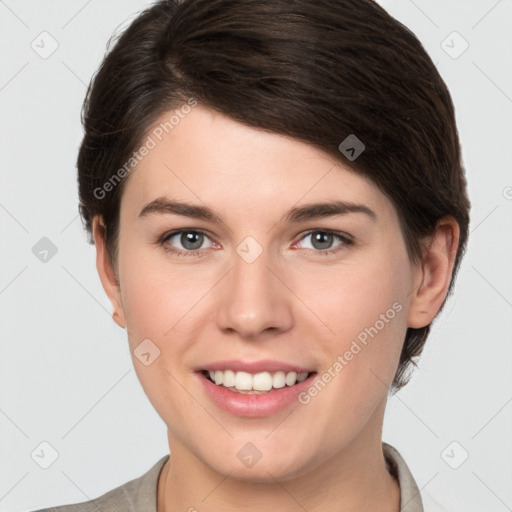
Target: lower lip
[(256, 405)]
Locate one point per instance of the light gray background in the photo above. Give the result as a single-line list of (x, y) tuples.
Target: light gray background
[(66, 376)]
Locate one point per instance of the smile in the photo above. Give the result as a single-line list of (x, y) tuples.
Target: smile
[(262, 382)]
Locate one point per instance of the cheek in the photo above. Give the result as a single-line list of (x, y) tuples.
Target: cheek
[(353, 297), (159, 306), (365, 309), (157, 294)]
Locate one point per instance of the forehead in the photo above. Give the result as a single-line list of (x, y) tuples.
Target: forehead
[(210, 158)]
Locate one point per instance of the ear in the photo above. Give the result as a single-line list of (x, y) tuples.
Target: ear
[(106, 271), (433, 274)]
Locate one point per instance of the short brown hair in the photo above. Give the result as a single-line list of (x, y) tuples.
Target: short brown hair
[(315, 70)]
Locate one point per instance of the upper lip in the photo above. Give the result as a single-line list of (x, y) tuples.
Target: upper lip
[(265, 365)]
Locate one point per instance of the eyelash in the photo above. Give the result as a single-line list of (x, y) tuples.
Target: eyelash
[(178, 252)]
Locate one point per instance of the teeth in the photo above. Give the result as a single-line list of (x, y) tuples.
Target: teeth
[(264, 381), (219, 377), (228, 379), (261, 381)]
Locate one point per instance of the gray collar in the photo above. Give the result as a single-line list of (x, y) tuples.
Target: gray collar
[(410, 497)]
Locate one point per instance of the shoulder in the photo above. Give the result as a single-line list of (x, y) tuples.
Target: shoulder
[(137, 495), (412, 499)]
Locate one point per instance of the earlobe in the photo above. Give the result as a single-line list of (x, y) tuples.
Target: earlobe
[(434, 273), (107, 273)]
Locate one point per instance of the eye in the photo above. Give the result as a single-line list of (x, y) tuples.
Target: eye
[(190, 240), (322, 241)]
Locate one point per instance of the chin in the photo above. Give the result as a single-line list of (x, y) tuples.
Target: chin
[(264, 465)]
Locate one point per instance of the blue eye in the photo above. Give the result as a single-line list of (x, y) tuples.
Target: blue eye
[(322, 241), (192, 241)]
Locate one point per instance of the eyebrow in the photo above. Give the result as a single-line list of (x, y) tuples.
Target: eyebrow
[(315, 211)]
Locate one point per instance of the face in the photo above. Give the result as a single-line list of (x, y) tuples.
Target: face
[(266, 278)]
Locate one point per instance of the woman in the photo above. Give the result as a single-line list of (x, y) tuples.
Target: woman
[(277, 200)]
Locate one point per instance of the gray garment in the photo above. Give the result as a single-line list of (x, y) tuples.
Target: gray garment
[(139, 494)]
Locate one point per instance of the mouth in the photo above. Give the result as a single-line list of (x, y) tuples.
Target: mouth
[(254, 389), (255, 383)]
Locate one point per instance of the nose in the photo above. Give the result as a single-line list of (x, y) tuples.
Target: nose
[(254, 298)]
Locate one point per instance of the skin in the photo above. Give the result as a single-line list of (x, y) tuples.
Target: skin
[(292, 303)]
